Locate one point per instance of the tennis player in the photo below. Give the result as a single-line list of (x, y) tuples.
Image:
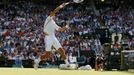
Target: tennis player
[(50, 39)]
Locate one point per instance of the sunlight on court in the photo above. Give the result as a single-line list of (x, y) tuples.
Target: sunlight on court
[(30, 71)]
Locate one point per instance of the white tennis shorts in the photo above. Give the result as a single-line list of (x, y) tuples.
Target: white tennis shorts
[(51, 41)]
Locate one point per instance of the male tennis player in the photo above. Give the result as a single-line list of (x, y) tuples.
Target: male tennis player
[(50, 39)]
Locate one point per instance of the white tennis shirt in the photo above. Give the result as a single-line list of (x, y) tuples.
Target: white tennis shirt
[(50, 26)]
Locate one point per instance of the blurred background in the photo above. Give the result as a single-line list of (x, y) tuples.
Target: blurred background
[(98, 27)]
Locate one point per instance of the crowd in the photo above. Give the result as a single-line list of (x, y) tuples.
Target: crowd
[(21, 30)]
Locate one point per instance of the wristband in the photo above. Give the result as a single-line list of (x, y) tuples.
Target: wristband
[(61, 6), (66, 26)]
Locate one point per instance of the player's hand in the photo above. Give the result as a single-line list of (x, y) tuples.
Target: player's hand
[(67, 24), (64, 4), (45, 33)]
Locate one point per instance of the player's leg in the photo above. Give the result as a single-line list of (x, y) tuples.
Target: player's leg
[(58, 47), (36, 63), (47, 54), (62, 52)]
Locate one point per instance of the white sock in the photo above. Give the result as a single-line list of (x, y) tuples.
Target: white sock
[(66, 62)]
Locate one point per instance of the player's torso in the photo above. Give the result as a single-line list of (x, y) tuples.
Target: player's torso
[(50, 27)]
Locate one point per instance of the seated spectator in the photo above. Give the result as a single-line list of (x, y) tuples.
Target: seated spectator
[(72, 58)]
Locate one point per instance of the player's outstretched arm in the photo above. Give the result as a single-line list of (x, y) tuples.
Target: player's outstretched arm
[(58, 8), (64, 28)]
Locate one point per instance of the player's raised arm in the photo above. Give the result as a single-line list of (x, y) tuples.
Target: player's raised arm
[(57, 9)]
